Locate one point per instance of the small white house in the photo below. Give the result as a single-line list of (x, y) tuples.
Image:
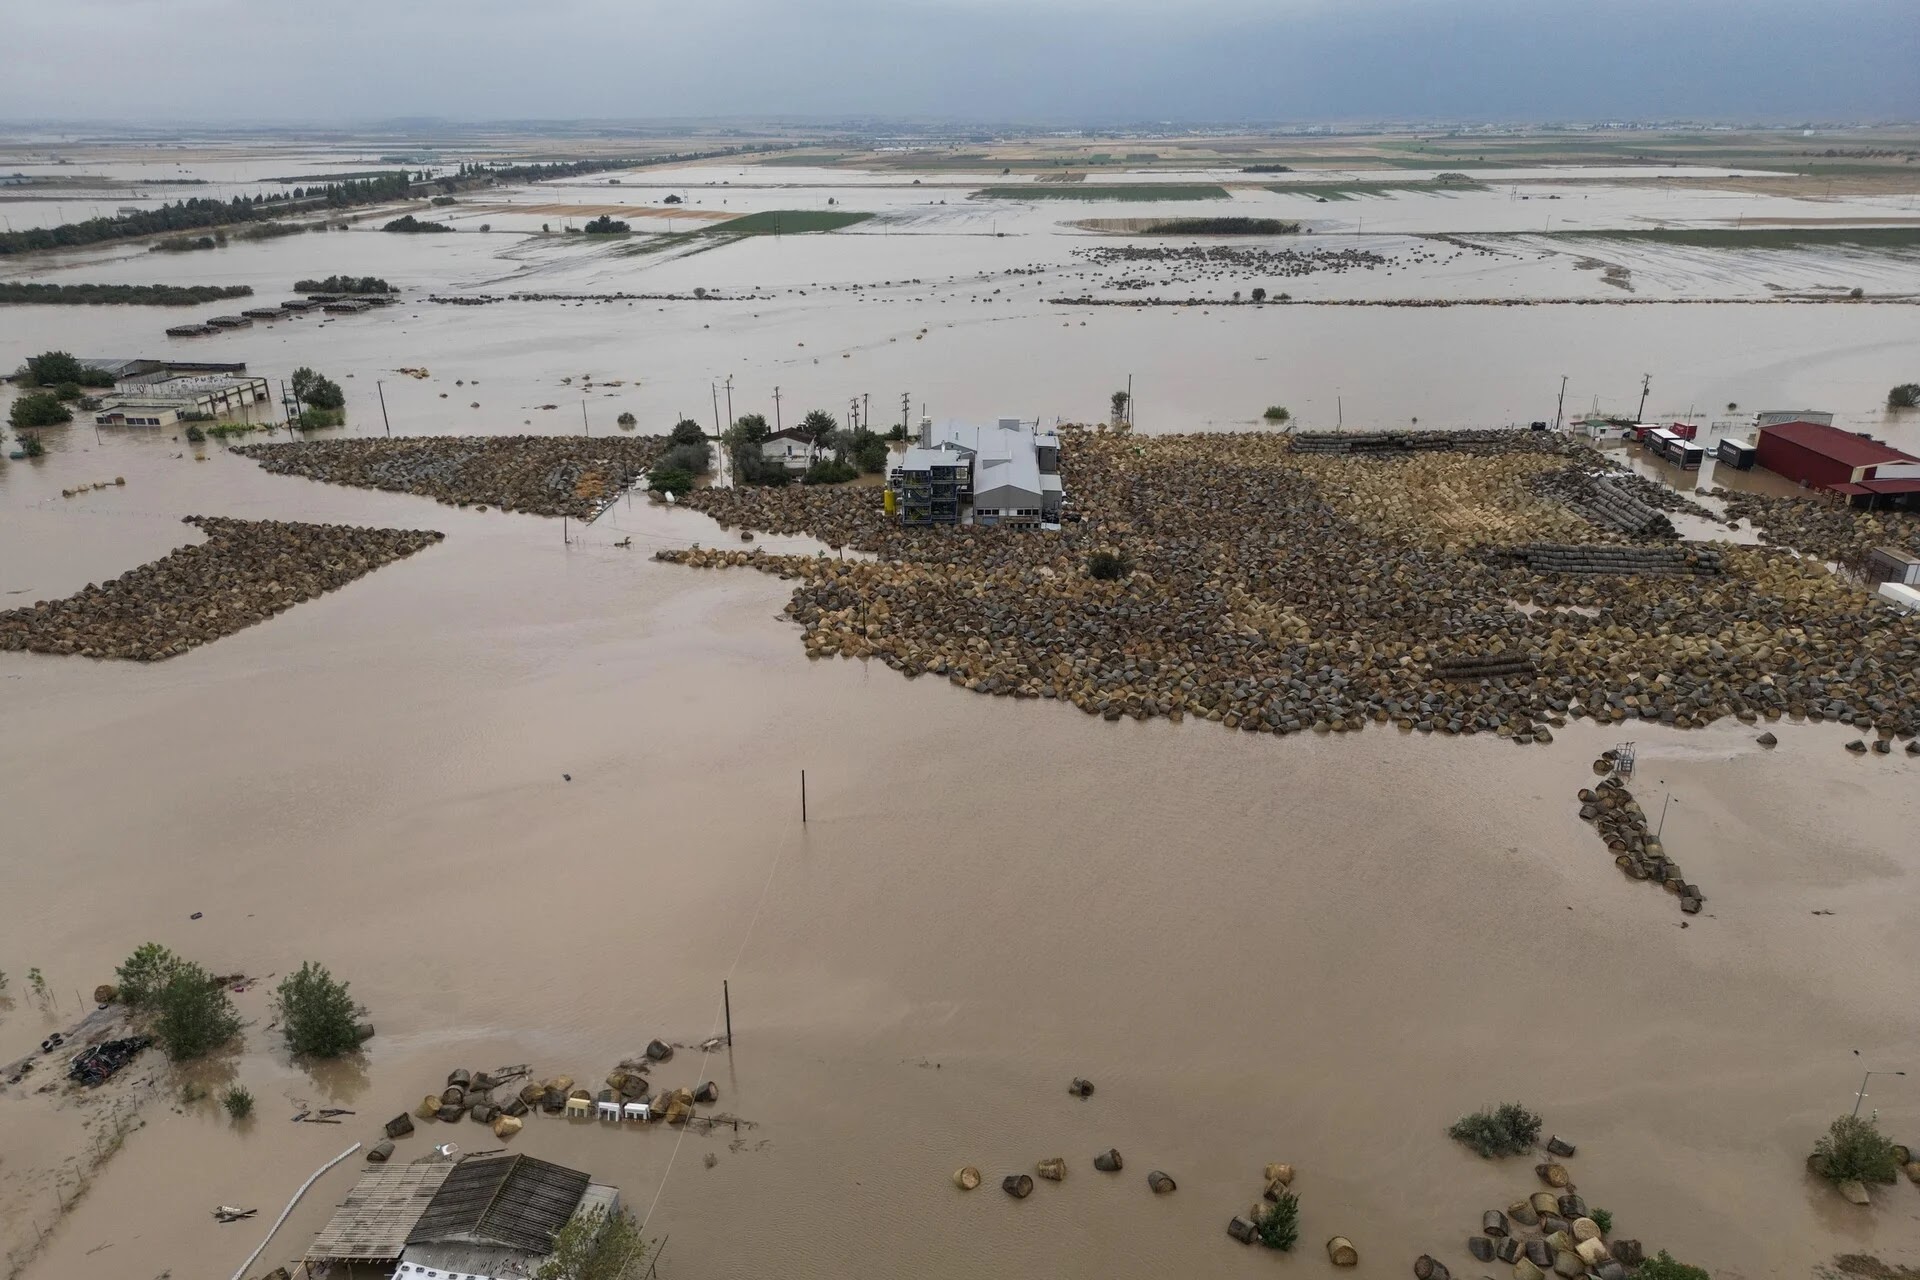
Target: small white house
[(791, 448)]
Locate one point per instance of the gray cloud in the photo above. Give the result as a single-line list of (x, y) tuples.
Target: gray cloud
[(241, 61)]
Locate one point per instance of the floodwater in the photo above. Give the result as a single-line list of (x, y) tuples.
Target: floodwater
[(1318, 950)]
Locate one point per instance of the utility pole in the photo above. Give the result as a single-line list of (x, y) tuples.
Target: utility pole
[(716, 407), (584, 428), (1129, 402), (1640, 414), (776, 409), (866, 406), (905, 402), (729, 399), (1563, 402), (381, 387), (853, 414)]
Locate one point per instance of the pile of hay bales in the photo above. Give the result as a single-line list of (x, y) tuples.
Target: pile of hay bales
[(245, 572), (1623, 501), (1563, 557), (542, 475), (1276, 592), (1546, 1233), (1824, 527), (1619, 820)]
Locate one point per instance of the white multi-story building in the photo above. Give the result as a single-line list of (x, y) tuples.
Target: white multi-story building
[(1004, 474)]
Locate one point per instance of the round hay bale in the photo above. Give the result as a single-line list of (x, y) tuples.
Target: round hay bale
[(380, 1152), (1543, 1202), (429, 1107), (400, 1126), (514, 1108), (1855, 1192), (966, 1177), (1507, 1250), (1524, 1269), (1567, 1265), (1522, 1212), (659, 1050), (1493, 1223), (483, 1113), (553, 1101), (1428, 1267), (1160, 1182), (453, 1095), (1481, 1247), (579, 1093), (1341, 1253), (1628, 1252), (1610, 1270), (563, 1084), (1572, 1206), (1280, 1173), (1913, 1170), (507, 1126), (1585, 1229), (1108, 1161), (1592, 1252), (1242, 1230), (1539, 1253), (531, 1093), (1017, 1185), (450, 1112), (105, 993), (1080, 1087), (1559, 1149), (1554, 1175), (1053, 1168), (459, 1076), (706, 1091)]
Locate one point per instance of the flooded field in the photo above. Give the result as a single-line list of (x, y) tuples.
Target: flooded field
[(1317, 950)]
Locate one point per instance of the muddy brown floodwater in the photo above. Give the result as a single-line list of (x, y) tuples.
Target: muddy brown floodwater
[(1318, 950)]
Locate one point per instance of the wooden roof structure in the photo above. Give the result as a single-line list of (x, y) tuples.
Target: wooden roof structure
[(372, 1224), (515, 1201)]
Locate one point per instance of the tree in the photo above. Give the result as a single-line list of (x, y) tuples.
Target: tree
[(1904, 396), (314, 389), (316, 1014), (1280, 1228), (606, 226), (1277, 413), (666, 481), (694, 459), (596, 1245), (31, 446), (1508, 1130), (238, 1102), (1854, 1150), (871, 454), (687, 431), (627, 421), (1120, 400), (818, 425), (38, 409), (194, 1014), (1664, 1266), (144, 973), (749, 428), (1108, 566), (1259, 294)]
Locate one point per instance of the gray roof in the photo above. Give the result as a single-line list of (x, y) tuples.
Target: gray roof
[(374, 1221), (918, 459), (516, 1201)]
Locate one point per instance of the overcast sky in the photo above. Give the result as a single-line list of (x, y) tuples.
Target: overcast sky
[(235, 62)]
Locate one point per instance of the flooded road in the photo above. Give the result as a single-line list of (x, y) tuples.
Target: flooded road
[(1316, 950)]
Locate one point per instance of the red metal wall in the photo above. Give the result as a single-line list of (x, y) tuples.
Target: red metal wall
[(1799, 463)]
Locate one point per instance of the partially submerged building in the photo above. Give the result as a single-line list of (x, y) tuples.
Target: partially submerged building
[(1004, 474), (486, 1218), (1857, 467), (163, 403)]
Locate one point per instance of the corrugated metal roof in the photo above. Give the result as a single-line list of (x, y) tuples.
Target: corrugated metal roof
[(516, 1201), (1830, 442), (383, 1208)]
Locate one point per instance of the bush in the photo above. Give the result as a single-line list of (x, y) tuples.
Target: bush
[(314, 418), (317, 391), (1664, 1266), (674, 482), (694, 459), (871, 456), (51, 368), (829, 471), (195, 435), (31, 446), (606, 226), (1280, 1229), (194, 1014), (408, 223), (1508, 1130), (627, 421), (1277, 413), (144, 973), (238, 1102), (1108, 566), (1904, 396), (316, 1014), (38, 409), (1852, 1150), (1603, 1220), (596, 1245), (687, 431)]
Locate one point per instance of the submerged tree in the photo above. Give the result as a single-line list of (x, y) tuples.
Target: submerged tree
[(318, 1017)]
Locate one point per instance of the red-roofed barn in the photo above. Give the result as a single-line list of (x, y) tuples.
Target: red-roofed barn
[(1864, 471)]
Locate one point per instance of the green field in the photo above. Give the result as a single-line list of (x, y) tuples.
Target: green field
[(785, 222), (1354, 190), (806, 158), (1083, 191), (1881, 238)]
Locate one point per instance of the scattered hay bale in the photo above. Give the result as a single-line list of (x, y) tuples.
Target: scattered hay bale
[(1341, 1253), (1017, 1185), (1108, 1161), (1053, 1169), (966, 1177), (1160, 1183)]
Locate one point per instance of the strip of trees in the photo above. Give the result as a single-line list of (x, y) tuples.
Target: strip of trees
[(343, 284), (13, 293)]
